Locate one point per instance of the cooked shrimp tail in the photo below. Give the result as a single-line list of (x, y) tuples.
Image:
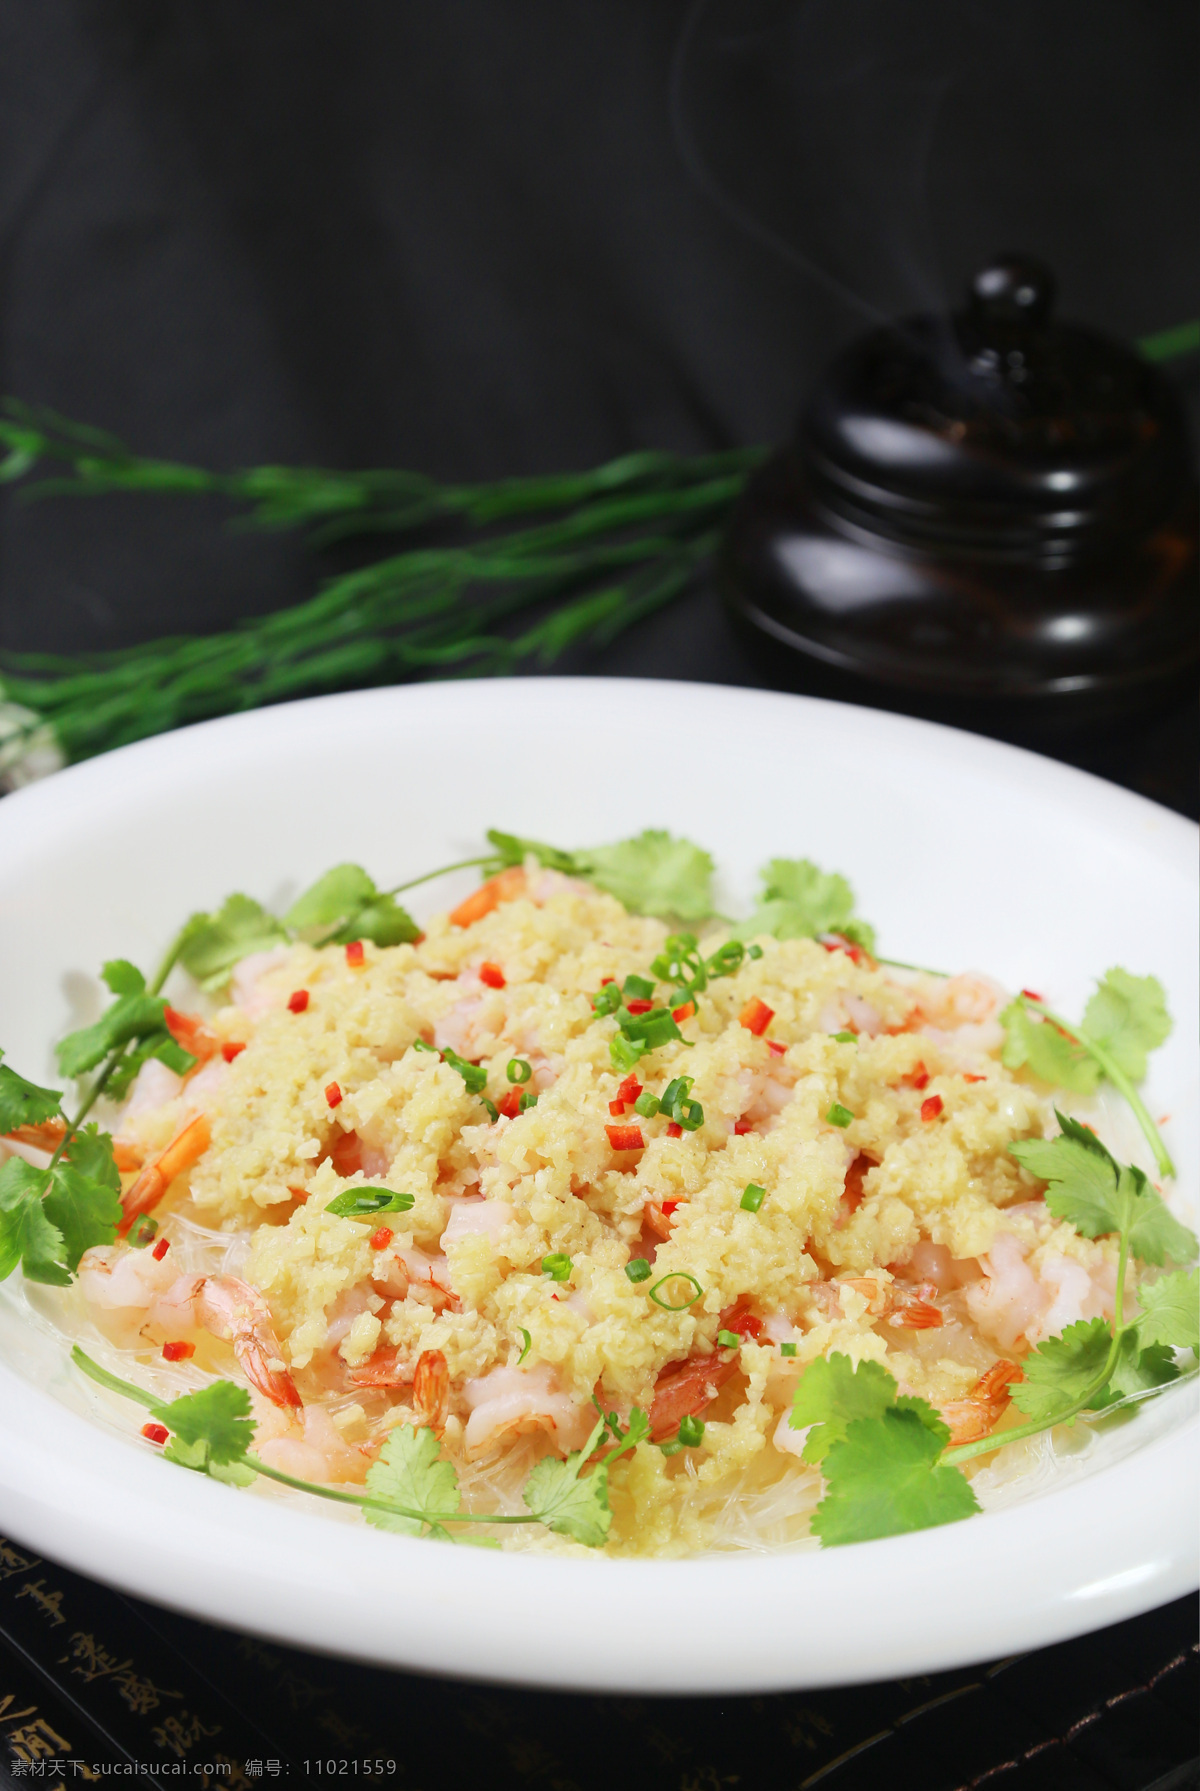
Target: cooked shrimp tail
[(186, 1148), (237, 1313), (978, 1414), (431, 1391)]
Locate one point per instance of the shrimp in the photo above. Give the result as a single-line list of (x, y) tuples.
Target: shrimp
[(236, 1313), (685, 1389), (43, 1140), (505, 888), (186, 1148), (979, 1411), (190, 1031), (431, 1391), (118, 1279), (407, 1272), (1011, 1302), (386, 1368), (507, 1403), (307, 1445)]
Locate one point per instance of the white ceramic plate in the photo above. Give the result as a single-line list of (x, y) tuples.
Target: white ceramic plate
[(964, 853)]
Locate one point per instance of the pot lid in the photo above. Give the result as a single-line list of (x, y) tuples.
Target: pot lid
[(1001, 426)]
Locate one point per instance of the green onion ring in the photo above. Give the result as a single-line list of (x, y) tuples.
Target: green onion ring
[(675, 1275)]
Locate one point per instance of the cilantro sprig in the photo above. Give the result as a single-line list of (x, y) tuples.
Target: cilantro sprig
[(411, 1489), (653, 873), (800, 901), (50, 1216), (885, 1456), (1125, 1019)]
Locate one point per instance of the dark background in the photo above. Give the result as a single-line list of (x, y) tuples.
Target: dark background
[(481, 237)]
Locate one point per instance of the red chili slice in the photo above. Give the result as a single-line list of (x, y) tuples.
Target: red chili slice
[(625, 1137), (932, 1107), (492, 975), (297, 1001), (756, 1016)]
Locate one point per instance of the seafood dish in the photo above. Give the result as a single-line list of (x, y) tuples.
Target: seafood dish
[(581, 1218)]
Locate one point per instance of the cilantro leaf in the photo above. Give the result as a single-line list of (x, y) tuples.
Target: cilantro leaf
[(48, 1218), (1171, 1311), (410, 1471), (331, 898), (212, 1426), (1048, 1052), (512, 850), (211, 944), (1136, 1370), (123, 978), (1127, 1017), (1083, 1177), (832, 1393), (23, 1103), (1060, 1372), (135, 1016), (1096, 1195), (84, 1201), (650, 874), (567, 1504), (799, 901), (27, 1236), (883, 1479), (653, 874), (347, 895)]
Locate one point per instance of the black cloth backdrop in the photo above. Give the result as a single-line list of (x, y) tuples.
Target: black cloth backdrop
[(497, 236)]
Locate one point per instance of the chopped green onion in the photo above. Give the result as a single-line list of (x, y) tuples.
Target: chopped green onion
[(420, 1045), (754, 951), (753, 1197), (674, 1102), (606, 1000), (845, 1038), (638, 1269), (653, 1029), (364, 1203), (518, 1070), (729, 1340), (691, 1432), (526, 1102), (493, 1111), (646, 1104), (787, 1349), (839, 1115), (142, 1231), (624, 1053), (676, 1275), (680, 962), (529, 1345), (640, 988), (558, 1266), (473, 1074), (726, 959)]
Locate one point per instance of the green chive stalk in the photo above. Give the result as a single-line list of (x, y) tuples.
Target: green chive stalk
[(534, 566)]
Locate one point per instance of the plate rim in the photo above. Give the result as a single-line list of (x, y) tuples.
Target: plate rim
[(44, 1520)]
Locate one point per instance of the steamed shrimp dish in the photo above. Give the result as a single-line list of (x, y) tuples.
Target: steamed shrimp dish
[(416, 1185)]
